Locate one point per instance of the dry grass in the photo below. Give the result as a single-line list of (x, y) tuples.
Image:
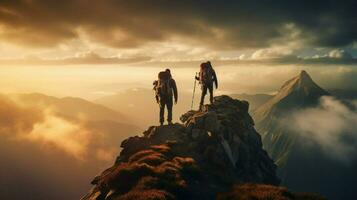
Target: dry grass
[(150, 174), (161, 148), (154, 159), (140, 155), (264, 192), (147, 195), (126, 176)]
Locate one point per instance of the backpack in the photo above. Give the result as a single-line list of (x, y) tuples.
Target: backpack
[(206, 74), (163, 87)]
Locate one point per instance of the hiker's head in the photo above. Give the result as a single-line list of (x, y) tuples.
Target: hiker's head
[(168, 71), (203, 65)]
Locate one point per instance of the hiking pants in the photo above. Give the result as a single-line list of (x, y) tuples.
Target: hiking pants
[(168, 102), (204, 88)]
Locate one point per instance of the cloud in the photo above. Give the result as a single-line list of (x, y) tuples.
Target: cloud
[(270, 53), (85, 58), (331, 125), (214, 24), (339, 53), (71, 138), (42, 125)]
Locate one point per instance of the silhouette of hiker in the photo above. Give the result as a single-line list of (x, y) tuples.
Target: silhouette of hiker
[(206, 78), (165, 88)]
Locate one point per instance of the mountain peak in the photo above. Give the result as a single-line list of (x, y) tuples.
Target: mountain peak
[(303, 84), (305, 79), (300, 91), (304, 75)]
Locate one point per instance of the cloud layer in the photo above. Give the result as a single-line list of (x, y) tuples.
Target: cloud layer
[(216, 24), (331, 125), (45, 128)]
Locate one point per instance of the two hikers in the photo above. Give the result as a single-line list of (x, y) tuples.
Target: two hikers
[(206, 78), (165, 89)]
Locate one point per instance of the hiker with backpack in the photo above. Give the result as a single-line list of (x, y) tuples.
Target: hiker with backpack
[(206, 77), (165, 89)]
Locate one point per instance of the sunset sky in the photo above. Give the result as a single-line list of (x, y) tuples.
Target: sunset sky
[(107, 46), (108, 53)]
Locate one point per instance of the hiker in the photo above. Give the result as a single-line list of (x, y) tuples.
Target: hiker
[(165, 88), (206, 78)]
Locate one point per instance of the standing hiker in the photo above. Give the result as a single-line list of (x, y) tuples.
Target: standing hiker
[(165, 88), (206, 78)]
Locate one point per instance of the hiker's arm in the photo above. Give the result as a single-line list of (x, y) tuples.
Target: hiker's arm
[(155, 85), (157, 99), (215, 79), (174, 89)]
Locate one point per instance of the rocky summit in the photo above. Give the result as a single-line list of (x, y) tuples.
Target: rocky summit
[(205, 156)]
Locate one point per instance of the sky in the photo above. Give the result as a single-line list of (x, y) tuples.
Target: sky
[(46, 45)]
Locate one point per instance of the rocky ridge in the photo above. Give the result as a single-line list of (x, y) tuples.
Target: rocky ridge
[(210, 152)]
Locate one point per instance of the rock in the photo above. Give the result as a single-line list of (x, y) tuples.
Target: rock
[(245, 106), (211, 123), (196, 133), (187, 115)]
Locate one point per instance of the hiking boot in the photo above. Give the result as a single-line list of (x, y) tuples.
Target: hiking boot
[(170, 123), (201, 107)]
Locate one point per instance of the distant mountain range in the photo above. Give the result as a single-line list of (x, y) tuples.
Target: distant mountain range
[(71, 107)]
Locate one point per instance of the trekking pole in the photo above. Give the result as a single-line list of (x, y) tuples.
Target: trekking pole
[(194, 89)]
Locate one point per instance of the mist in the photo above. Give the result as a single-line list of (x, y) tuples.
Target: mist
[(331, 125)]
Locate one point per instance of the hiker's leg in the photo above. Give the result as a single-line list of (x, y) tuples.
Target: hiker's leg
[(162, 111), (169, 105), (210, 88), (203, 94)]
